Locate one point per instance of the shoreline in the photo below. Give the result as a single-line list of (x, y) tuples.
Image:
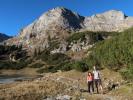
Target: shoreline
[(11, 76), (24, 71)]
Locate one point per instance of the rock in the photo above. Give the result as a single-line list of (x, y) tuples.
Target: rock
[(49, 98), (112, 20), (54, 24), (59, 23), (82, 99), (110, 85), (76, 47), (62, 48), (64, 97)]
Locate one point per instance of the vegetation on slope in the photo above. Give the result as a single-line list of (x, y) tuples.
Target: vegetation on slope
[(92, 36), (7, 53), (115, 53)]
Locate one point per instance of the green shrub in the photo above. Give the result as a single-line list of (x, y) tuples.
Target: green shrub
[(13, 51), (62, 66), (53, 59), (114, 52), (80, 66), (4, 49), (52, 69), (66, 66), (36, 65), (93, 36), (7, 64), (127, 73)]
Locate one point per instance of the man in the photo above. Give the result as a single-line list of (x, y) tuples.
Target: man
[(97, 79)]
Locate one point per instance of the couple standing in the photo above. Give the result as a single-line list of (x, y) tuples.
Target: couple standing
[(94, 78)]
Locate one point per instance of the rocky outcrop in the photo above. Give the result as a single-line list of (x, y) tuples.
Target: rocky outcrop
[(54, 24), (58, 23), (108, 21)]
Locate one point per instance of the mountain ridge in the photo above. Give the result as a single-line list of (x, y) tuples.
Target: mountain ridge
[(4, 37), (59, 23)]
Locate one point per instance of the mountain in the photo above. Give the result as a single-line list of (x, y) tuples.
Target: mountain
[(56, 25), (3, 37), (112, 20), (61, 40)]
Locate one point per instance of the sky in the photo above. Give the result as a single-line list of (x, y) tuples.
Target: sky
[(16, 14)]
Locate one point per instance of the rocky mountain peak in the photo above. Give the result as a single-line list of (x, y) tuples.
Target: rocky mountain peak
[(114, 14), (62, 10), (111, 14), (55, 19), (59, 10), (112, 20), (57, 24), (63, 17)]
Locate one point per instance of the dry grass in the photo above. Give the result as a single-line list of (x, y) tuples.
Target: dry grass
[(35, 90), (64, 83)]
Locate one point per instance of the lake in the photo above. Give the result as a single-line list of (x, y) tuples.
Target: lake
[(12, 78)]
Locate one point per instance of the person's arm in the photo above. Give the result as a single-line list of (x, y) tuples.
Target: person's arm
[(99, 74)]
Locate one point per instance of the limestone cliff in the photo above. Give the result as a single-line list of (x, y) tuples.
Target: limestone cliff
[(59, 23)]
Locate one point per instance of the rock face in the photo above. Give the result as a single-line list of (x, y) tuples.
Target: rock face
[(109, 21), (58, 23), (58, 18), (53, 25), (3, 37)]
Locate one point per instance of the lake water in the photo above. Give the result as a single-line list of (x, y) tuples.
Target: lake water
[(12, 78)]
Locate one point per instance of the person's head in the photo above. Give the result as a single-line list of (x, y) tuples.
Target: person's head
[(94, 67), (89, 74)]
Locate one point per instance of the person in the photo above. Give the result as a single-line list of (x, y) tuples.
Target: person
[(90, 82), (97, 79)]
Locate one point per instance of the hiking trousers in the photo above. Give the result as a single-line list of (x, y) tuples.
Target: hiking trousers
[(90, 86), (97, 84)]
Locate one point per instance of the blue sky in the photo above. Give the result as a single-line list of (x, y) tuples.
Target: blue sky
[(16, 14)]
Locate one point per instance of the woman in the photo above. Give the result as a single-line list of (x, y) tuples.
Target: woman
[(90, 82)]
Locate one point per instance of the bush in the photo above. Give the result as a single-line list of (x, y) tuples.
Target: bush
[(67, 66), (53, 59), (115, 52), (127, 73), (9, 65), (13, 51), (63, 66), (52, 69), (93, 36), (5, 49), (80, 66), (36, 65)]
